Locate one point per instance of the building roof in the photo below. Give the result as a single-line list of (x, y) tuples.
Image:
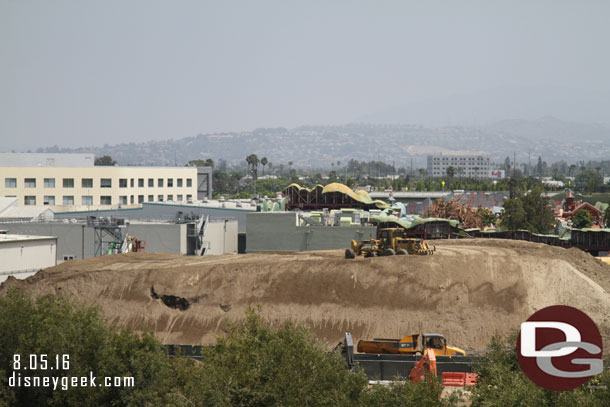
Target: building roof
[(10, 238), (46, 160), (6, 203), (26, 213)]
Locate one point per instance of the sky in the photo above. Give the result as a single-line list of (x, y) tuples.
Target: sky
[(84, 73)]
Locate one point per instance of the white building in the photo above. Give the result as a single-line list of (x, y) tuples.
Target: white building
[(465, 164), (23, 255), (69, 186)]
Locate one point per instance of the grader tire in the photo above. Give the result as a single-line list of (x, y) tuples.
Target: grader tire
[(349, 254), (389, 252), (401, 252)]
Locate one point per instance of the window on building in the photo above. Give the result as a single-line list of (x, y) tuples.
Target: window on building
[(87, 182), (179, 198), (48, 200), (68, 183), (140, 199), (189, 198), (151, 198), (68, 200), (189, 182), (131, 182), (105, 200), (10, 182), (170, 182), (160, 182), (123, 199), (151, 182), (140, 182), (106, 183), (179, 182), (49, 182), (87, 200), (29, 182), (122, 182), (160, 198), (131, 199), (29, 200), (170, 198)]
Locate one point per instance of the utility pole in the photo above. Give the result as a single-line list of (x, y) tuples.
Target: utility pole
[(514, 162)]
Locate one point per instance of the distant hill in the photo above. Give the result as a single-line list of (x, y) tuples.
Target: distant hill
[(319, 146), (492, 105)]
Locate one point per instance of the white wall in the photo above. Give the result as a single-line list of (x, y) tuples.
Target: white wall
[(222, 237), (24, 258)]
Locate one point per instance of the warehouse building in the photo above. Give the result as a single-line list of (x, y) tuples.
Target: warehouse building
[(78, 240), (71, 182)]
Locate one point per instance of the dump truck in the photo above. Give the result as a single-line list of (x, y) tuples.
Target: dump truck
[(411, 345), (391, 241), (455, 370)]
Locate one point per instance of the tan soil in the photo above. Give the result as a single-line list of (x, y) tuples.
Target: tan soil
[(469, 290)]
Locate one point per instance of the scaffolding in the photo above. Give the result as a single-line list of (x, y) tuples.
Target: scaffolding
[(109, 234)]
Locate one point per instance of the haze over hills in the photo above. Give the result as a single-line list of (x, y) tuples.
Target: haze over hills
[(497, 104), (323, 146)]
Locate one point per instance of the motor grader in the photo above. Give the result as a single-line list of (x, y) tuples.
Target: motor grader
[(391, 241)]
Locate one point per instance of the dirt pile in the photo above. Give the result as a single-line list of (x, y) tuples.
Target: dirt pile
[(469, 290)]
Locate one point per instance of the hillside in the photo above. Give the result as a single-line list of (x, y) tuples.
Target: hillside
[(469, 290)]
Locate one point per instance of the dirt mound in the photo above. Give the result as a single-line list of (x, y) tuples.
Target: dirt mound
[(469, 290)]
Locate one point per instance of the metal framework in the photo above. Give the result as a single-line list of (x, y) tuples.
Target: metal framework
[(107, 231)]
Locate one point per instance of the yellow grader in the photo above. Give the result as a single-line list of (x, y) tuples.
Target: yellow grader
[(391, 241)]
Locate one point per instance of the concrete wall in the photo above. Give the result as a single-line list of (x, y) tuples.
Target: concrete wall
[(278, 231), (24, 258), (76, 240)]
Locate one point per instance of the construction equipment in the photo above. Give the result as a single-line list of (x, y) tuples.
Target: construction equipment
[(411, 345), (385, 367), (391, 241)]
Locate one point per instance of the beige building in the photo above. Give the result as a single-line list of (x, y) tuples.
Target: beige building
[(101, 187), (465, 164)]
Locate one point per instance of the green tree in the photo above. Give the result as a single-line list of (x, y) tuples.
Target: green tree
[(256, 365), (450, 171), (607, 216), (589, 181), (201, 163), (501, 382), (105, 160), (514, 216), (52, 325), (528, 212), (581, 219)]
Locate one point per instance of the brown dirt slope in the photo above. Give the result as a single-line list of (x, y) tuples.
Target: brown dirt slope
[(469, 290)]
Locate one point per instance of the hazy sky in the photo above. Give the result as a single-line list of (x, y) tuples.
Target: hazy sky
[(78, 73)]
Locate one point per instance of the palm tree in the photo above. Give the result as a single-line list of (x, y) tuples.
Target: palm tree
[(253, 162), (264, 162)]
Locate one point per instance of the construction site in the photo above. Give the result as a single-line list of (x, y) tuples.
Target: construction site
[(469, 290), (352, 271)]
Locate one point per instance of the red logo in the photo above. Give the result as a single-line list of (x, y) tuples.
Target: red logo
[(560, 348)]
